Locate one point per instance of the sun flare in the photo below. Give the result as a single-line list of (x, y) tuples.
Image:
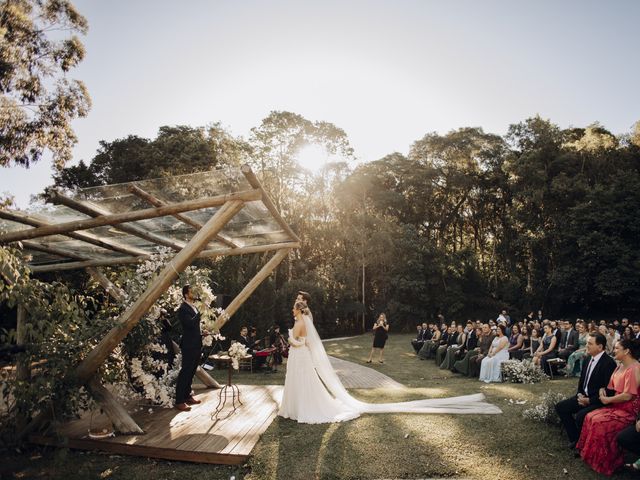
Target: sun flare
[(312, 158)]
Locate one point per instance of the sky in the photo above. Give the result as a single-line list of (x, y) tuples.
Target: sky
[(386, 72)]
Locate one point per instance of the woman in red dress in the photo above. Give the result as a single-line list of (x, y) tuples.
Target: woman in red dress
[(597, 444)]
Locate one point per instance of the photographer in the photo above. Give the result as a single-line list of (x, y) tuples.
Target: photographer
[(380, 335)]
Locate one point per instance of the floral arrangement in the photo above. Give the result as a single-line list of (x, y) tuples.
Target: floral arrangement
[(545, 412), (236, 352), (516, 371)]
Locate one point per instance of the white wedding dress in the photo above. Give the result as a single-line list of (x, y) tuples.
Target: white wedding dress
[(313, 392)]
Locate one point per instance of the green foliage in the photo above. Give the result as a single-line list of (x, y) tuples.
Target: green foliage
[(37, 100)]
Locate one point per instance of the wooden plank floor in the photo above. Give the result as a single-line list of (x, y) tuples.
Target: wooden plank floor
[(188, 436)]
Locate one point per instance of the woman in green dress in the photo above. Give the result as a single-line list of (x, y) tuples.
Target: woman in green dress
[(574, 362)]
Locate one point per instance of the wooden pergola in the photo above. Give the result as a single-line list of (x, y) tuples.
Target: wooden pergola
[(203, 215)]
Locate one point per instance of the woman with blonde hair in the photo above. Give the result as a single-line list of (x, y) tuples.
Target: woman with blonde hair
[(380, 335)]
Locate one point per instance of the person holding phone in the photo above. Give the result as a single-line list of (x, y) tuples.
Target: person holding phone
[(380, 335)]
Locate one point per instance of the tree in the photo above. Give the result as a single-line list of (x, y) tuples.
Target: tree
[(37, 100)]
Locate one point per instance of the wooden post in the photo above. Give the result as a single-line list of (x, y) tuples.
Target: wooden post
[(252, 285), (122, 422), (56, 267), (132, 315), (23, 371)]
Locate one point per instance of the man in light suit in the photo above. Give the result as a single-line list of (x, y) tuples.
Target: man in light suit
[(597, 369)]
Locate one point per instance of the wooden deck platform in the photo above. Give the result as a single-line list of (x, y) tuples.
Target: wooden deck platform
[(187, 436)]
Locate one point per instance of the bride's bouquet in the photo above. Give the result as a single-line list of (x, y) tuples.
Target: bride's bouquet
[(236, 352)]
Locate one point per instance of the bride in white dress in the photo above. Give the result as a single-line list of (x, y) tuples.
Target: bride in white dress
[(313, 392)]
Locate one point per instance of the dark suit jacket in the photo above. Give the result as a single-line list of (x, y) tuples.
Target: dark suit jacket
[(572, 344), (246, 341), (599, 377), (485, 343), (190, 321), (472, 341)]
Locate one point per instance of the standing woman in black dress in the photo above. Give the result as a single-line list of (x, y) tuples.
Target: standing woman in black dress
[(380, 336)]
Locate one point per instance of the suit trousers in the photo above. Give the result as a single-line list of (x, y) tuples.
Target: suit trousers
[(572, 415), (629, 439), (190, 362)]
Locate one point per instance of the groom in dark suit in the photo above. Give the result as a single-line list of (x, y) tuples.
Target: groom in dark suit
[(191, 346), (597, 369)]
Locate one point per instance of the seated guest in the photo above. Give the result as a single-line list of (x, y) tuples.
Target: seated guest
[(277, 341), (253, 338), (596, 373), (568, 341), (627, 333), (452, 337), (484, 345), (418, 341), (470, 350), (498, 353), (611, 340), (547, 350), (636, 330), (245, 340), (534, 343), (430, 346), (515, 340), (452, 350), (574, 362), (525, 346), (597, 444), (629, 440)]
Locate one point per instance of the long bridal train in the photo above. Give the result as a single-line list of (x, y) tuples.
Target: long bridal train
[(309, 400)]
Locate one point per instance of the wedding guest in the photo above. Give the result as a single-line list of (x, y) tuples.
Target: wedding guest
[(484, 345), (498, 353), (472, 349), (419, 340), (380, 335), (452, 338), (547, 349), (534, 343), (596, 373), (624, 323), (504, 317), (525, 346), (611, 341), (636, 330), (574, 362), (629, 440), (429, 347), (568, 341), (453, 349), (515, 340), (244, 339), (597, 444), (627, 333), (277, 341)]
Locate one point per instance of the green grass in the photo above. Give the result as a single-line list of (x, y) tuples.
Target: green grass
[(373, 446)]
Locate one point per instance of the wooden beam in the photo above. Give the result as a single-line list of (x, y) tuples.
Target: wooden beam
[(54, 267), (156, 202), (264, 272), (266, 200), (51, 250), (120, 418), (132, 315), (82, 236), (99, 276), (94, 211), (118, 218), (23, 370)]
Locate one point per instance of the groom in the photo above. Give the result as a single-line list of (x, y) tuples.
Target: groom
[(191, 346)]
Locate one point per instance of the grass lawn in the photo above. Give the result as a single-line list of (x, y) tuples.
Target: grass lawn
[(373, 446)]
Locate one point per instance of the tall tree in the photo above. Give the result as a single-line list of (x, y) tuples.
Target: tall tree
[(37, 100)]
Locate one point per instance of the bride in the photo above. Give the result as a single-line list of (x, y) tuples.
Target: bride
[(313, 392)]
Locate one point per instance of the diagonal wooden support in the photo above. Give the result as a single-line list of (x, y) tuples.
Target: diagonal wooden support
[(134, 313), (264, 272)]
